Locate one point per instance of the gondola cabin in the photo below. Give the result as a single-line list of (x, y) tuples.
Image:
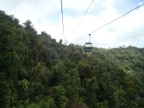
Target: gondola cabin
[(88, 47)]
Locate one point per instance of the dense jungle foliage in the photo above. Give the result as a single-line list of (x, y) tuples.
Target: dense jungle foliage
[(38, 72)]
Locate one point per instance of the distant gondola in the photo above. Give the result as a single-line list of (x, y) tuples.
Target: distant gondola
[(88, 45)]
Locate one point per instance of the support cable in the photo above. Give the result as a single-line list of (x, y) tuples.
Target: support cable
[(112, 21), (62, 19), (82, 18)]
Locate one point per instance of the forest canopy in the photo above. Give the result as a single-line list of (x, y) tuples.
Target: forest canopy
[(38, 72)]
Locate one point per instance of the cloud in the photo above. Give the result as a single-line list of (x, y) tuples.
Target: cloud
[(46, 16), (125, 31), (129, 29), (77, 5)]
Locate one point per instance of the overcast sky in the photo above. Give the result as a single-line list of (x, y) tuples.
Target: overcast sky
[(46, 16)]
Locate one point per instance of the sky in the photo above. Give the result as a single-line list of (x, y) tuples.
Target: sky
[(45, 15)]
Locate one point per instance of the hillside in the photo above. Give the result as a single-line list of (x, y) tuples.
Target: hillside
[(38, 72)]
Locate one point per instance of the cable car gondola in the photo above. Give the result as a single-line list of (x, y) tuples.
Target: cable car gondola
[(88, 45)]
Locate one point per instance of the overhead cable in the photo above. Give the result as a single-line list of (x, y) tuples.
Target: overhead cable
[(82, 17), (62, 18), (112, 21), (117, 18)]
